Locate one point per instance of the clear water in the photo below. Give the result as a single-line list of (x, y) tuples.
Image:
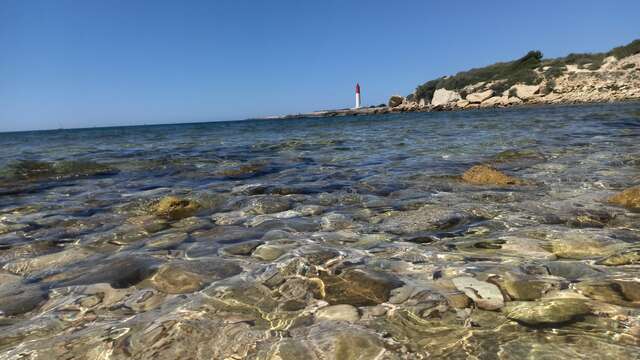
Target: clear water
[(296, 215)]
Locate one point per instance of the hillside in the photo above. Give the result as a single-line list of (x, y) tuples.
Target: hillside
[(588, 77)]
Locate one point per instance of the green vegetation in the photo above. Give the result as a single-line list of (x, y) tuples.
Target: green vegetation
[(526, 70), (583, 61), (505, 75), (627, 50)]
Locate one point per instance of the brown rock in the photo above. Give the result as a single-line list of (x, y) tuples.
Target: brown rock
[(629, 198), (359, 287), (395, 100), (485, 175), (174, 208)]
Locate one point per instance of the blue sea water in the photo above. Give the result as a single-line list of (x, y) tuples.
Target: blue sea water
[(379, 196)]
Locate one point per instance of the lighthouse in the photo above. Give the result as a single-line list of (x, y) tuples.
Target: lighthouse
[(358, 96)]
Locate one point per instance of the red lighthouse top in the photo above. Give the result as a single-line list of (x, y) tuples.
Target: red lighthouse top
[(357, 88)]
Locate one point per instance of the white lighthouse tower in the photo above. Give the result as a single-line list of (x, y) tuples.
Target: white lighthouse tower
[(358, 103)]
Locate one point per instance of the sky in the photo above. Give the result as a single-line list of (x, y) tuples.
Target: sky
[(87, 63)]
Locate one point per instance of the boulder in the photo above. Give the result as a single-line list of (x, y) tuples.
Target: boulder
[(443, 97), (485, 175), (495, 101), (514, 101), (462, 104), (629, 198), (479, 97), (395, 100), (423, 103), (525, 92)]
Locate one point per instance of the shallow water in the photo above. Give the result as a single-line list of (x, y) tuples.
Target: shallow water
[(346, 238)]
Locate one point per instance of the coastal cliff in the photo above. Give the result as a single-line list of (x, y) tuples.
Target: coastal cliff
[(576, 78)]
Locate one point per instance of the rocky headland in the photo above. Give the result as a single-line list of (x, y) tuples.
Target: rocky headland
[(531, 80)]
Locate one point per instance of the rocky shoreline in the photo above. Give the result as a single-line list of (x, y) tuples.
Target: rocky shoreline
[(615, 80)]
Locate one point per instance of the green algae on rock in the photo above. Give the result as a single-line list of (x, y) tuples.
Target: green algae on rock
[(486, 175), (627, 257), (629, 198), (175, 208), (547, 311)]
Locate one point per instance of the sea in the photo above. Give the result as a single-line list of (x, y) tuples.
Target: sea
[(354, 237)]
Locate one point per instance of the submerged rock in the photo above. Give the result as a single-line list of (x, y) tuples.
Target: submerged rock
[(175, 208), (120, 272), (629, 198), (167, 241), (628, 257), (341, 312), (582, 245), (359, 287), (42, 170), (268, 252), (336, 221), (427, 218), (268, 205), (548, 311), (617, 292), (571, 270), (527, 288), (326, 342), (486, 295), (243, 171), (27, 266), (244, 248), (512, 155), (181, 277), (20, 298), (485, 175)]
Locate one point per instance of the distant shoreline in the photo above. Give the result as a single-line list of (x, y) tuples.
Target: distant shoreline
[(379, 110)]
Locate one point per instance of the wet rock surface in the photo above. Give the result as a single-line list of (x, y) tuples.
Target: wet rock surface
[(485, 295), (175, 208), (629, 198), (355, 238), (548, 312), (485, 175)]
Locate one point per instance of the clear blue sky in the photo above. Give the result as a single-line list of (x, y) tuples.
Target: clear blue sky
[(99, 63)]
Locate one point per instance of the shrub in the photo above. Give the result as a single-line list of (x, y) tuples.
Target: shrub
[(628, 66), (513, 72), (554, 71), (503, 75), (548, 86), (627, 50)]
